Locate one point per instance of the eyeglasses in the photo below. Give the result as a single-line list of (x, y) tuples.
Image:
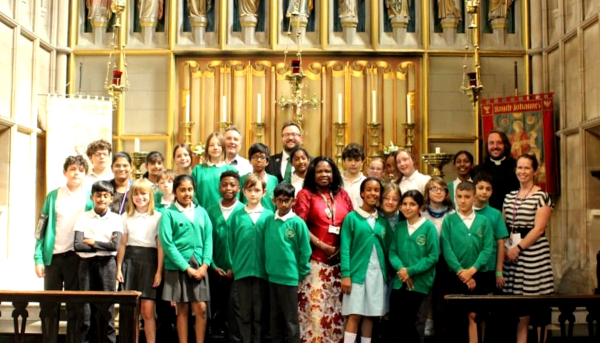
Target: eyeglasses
[(101, 154), (285, 201), (259, 158), (290, 134), (437, 189)]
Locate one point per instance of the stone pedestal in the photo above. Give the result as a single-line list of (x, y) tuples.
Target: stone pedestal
[(148, 29), (499, 28), (199, 25), (99, 25), (248, 28), (299, 24), (399, 26), (349, 25), (449, 25)]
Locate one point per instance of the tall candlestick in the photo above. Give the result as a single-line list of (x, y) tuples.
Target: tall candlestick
[(374, 104), (187, 108), (408, 114), (136, 145), (438, 150), (258, 108), (224, 107), (340, 111)]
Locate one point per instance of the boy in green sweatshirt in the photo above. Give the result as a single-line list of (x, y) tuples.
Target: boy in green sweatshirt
[(467, 243), (287, 252), (258, 154)]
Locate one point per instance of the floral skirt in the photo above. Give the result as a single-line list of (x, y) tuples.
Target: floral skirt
[(320, 305)]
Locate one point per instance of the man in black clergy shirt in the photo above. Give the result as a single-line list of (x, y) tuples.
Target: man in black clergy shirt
[(500, 165), (279, 164)]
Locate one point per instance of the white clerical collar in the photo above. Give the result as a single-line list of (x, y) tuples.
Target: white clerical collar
[(498, 162), (366, 214)]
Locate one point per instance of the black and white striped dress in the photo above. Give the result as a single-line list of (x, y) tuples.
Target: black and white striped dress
[(531, 273)]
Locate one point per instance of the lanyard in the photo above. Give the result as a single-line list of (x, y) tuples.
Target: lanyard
[(330, 211), (518, 203)]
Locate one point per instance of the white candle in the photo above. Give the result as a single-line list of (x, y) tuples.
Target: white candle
[(187, 108), (136, 145), (374, 104), (258, 108), (408, 114), (340, 111), (438, 150), (224, 107)]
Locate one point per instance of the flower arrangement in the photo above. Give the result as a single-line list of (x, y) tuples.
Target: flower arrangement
[(388, 150), (199, 150)]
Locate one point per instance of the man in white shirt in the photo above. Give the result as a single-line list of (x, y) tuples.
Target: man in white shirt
[(233, 144), (280, 164), (98, 152)]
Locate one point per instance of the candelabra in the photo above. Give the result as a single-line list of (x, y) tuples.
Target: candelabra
[(119, 82), (409, 131), (437, 161), (340, 141), (374, 135), (471, 83), (224, 125), (139, 158), (259, 130), (187, 135)]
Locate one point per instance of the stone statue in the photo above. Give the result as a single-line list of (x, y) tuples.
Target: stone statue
[(348, 8), (498, 8), (397, 8), (304, 7), (248, 8), (151, 9), (199, 8), (449, 9), (98, 8)]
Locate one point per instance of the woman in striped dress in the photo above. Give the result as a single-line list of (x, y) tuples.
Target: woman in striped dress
[(527, 267)]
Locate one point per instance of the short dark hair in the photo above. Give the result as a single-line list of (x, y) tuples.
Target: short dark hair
[(181, 178), (75, 160), (369, 179), (466, 186), (103, 186), (505, 142), (285, 189), (121, 154), (309, 179), (483, 177), (415, 195), (182, 146), (466, 153), (155, 156), (100, 144), (290, 123), (353, 150), (258, 148), (533, 159), (230, 173), (297, 149)]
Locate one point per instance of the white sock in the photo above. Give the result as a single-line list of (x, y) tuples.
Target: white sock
[(349, 337), (365, 340)]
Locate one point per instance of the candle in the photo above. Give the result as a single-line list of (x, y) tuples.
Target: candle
[(187, 108), (374, 103), (136, 145), (117, 77), (408, 114), (438, 150), (258, 108), (224, 107), (340, 111)]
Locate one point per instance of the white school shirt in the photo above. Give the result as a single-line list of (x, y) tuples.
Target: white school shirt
[(370, 217), (226, 211), (415, 181), (254, 213), (455, 185), (141, 229), (93, 177), (99, 229), (284, 162), (353, 190), (188, 212), (468, 220), (297, 182), (68, 207), (437, 222), (414, 227), (285, 217)]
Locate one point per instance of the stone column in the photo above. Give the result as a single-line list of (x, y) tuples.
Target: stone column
[(62, 46), (349, 25), (148, 28), (199, 24), (535, 50), (449, 25), (248, 23), (399, 27), (499, 27)]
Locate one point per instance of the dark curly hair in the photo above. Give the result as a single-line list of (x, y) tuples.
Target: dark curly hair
[(310, 182)]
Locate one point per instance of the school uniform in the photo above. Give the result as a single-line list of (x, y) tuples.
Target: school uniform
[(267, 200), (97, 266), (363, 259), (92, 177), (297, 182), (498, 228), (416, 248), (246, 243), (55, 251), (353, 189), (186, 238), (452, 186), (206, 177), (287, 255), (416, 181)]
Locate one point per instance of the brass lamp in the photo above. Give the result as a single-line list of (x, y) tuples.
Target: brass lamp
[(117, 80)]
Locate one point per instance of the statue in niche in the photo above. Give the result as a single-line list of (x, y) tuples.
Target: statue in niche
[(304, 8), (199, 8), (498, 9), (397, 8), (98, 9), (151, 9), (448, 9), (348, 8), (248, 8)]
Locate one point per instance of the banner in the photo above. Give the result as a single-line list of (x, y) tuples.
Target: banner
[(72, 122), (528, 121)]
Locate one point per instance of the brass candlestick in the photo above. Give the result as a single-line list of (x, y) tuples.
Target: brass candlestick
[(437, 161), (340, 141), (187, 135), (409, 129), (224, 125), (139, 158), (374, 135), (259, 130)]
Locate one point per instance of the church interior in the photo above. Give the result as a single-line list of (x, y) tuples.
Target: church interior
[(390, 72)]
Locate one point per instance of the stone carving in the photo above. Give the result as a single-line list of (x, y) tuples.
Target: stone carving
[(248, 8), (449, 9), (347, 8), (150, 10), (304, 8), (199, 8), (98, 9), (397, 8), (498, 9)]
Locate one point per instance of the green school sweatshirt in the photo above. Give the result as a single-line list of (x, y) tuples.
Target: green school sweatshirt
[(267, 200), (498, 227), (221, 253), (357, 240), (206, 178), (418, 253), (464, 248)]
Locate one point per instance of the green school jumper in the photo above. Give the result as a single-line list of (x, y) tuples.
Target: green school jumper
[(206, 178), (356, 244), (267, 200), (464, 248), (221, 253), (246, 243), (180, 238), (418, 253), (498, 227), (287, 250)]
